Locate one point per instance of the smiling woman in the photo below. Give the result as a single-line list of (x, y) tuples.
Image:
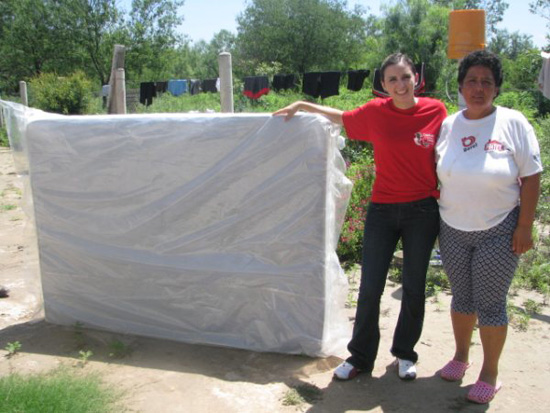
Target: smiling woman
[(402, 129), (489, 167)]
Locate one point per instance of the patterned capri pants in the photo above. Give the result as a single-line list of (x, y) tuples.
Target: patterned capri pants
[(480, 266)]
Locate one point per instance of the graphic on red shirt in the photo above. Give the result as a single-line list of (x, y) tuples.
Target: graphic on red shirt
[(426, 140), (403, 142)]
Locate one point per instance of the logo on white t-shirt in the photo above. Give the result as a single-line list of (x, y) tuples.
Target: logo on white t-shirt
[(469, 142), (426, 140), (495, 146)]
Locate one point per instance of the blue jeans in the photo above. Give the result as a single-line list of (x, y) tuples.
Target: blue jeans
[(417, 224)]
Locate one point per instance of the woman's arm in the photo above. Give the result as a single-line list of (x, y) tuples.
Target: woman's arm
[(522, 240), (334, 115)]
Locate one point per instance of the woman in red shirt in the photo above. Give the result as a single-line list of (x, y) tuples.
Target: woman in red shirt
[(403, 130)]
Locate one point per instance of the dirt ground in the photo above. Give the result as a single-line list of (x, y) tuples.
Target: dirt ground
[(163, 376)]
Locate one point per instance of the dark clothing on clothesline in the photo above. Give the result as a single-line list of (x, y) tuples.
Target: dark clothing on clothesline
[(256, 86), (194, 86), (147, 92), (161, 87), (283, 82), (356, 79), (209, 85), (323, 84)]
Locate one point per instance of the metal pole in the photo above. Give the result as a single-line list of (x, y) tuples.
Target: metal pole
[(226, 82), (23, 93)]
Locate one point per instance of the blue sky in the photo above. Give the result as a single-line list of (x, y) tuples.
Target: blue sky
[(204, 18)]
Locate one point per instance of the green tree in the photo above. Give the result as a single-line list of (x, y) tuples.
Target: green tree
[(205, 55), (301, 35), (152, 29), (510, 45), (542, 8), (35, 38), (419, 29), (98, 26)]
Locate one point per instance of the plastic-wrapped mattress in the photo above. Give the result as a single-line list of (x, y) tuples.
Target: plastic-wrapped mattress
[(217, 229)]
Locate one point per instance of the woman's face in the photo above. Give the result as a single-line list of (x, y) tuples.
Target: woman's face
[(479, 90), (399, 81)]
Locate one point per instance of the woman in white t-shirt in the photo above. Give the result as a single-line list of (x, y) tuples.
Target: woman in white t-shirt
[(488, 165)]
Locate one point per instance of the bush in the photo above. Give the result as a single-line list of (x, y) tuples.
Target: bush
[(522, 101), (361, 174), (65, 95), (542, 129)]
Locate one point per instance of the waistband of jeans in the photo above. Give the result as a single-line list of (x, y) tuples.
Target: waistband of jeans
[(424, 201)]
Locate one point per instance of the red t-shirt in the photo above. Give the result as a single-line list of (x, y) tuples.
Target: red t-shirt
[(403, 141)]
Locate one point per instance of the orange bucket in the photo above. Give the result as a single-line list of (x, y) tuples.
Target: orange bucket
[(466, 32)]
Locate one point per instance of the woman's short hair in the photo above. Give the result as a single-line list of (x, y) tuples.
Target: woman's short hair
[(481, 58), (394, 59)]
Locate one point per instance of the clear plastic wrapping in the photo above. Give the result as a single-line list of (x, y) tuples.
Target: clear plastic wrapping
[(217, 229)]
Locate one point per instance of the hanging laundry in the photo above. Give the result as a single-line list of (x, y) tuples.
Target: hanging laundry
[(330, 84), (544, 75), (147, 92), (105, 90), (194, 86), (323, 84), (283, 82), (311, 85), (161, 87), (256, 86), (356, 78), (209, 85), (177, 87), (420, 85)]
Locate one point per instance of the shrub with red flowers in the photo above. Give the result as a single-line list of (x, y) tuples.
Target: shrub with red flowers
[(361, 172)]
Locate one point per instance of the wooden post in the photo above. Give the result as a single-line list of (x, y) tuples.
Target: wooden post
[(120, 92), (23, 93), (226, 82), (117, 93)]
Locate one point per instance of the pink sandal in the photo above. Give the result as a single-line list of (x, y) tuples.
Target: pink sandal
[(482, 392), (454, 370)]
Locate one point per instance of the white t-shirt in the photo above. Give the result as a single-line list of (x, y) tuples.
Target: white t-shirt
[(479, 163)]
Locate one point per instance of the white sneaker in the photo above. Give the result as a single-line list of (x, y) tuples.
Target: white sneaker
[(406, 369), (346, 371)]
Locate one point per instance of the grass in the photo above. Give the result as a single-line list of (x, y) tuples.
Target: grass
[(4, 138), (7, 207), (304, 393), (59, 391)]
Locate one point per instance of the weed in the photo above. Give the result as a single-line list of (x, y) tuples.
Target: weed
[(13, 348), (119, 349), (518, 318), (78, 331), (351, 301), (532, 307), (84, 356), (304, 393), (292, 398), (7, 207), (395, 275)]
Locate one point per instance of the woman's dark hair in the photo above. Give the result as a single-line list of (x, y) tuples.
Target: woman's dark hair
[(394, 59), (481, 58)]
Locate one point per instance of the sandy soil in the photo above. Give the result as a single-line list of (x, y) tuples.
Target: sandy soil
[(163, 376)]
